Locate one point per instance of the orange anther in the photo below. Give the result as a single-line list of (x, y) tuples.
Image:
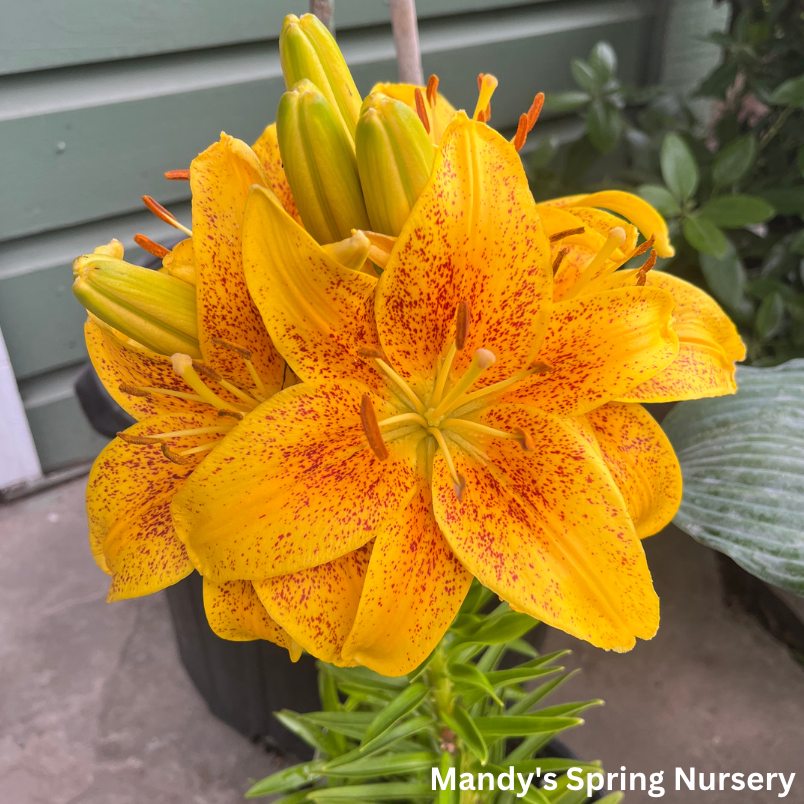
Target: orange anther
[(178, 175), (521, 132), (432, 90), (421, 109), (641, 249), (554, 238), (371, 428), (535, 110), (559, 259), (152, 248)]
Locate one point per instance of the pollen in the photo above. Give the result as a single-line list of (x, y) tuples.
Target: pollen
[(371, 428)]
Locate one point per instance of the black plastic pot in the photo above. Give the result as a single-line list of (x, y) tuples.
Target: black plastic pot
[(243, 683)]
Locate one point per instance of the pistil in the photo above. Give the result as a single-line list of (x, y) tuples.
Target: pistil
[(183, 366), (592, 271)]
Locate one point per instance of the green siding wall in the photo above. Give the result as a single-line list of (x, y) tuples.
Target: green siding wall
[(99, 98)]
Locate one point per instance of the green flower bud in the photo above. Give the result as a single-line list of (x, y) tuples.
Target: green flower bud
[(153, 308), (394, 157), (307, 50), (320, 165)]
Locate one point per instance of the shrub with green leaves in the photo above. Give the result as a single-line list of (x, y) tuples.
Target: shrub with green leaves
[(731, 185), (467, 707)]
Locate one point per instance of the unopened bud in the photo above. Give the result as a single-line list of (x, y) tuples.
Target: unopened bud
[(308, 50), (152, 308), (394, 158), (320, 165), (180, 261)]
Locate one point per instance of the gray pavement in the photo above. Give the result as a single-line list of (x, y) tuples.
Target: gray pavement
[(95, 707)]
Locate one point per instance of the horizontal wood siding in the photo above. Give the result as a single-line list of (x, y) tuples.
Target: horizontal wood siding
[(83, 137)]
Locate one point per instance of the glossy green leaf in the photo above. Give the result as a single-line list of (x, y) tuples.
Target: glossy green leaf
[(790, 92), (493, 727), (725, 277), (518, 675), (679, 168), (539, 693), (352, 724), (563, 102), (705, 236), (382, 791), (399, 732), (585, 77), (469, 675), (770, 316), (734, 161), (404, 703), (387, 765), (306, 731), (742, 458), (736, 211), (661, 198), (786, 200), (463, 725), (286, 780), (604, 125), (603, 61)]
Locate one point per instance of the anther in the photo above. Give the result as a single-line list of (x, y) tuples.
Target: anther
[(371, 428), (154, 206), (152, 248), (206, 371), (539, 368), (381, 247), (421, 109), (369, 353), (597, 265), (244, 353), (562, 252), (459, 487), (642, 273), (535, 110), (481, 360), (432, 91), (234, 414), (174, 456), (183, 366), (462, 320), (641, 249), (554, 238), (178, 175), (525, 440), (130, 438), (521, 132), (133, 390)]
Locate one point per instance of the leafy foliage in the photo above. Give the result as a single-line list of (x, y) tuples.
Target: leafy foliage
[(466, 706), (731, 186), (742, 459)]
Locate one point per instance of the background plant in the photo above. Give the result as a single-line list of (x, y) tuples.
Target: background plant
[(731, 183), (467, 706)]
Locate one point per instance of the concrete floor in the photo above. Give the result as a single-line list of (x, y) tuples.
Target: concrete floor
[(96, 709)]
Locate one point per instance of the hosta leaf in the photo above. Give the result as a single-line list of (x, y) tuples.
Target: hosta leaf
[(404, 703), (742, 458)]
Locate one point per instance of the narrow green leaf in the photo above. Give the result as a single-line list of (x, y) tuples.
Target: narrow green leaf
[(538, 694), (736, 211), (306, 731), (460, 722), (770, 316), (383, 791), (328, 691), (734, 161), (286, 780), (497, 630), (401, 731), (532, 796), (387, 765), (293, 798), (404, 703), (521, 674), (612, 798), (661, 198), (570, 709), (604, 125), (790, 92), (469, 674), (705, 236), (563, 102), (504, 726), (742, 460), (352, 724), (679, 168), (365, 678)]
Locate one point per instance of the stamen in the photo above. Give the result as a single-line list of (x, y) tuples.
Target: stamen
[(246, 355), (528, 121), (540, 368), (641, 249), (163, 215), (234, 414), (213, 375), (458, 481), (478, 428), (642, 273), (215, 428), (462, 319), (594, 270), (535, 110), (443, 374), (141, 440), (133, 390), (371, 428), (562, 252), (173, 456), (421, 109), (152, 248), (144, 391), (554, 238), (183, 366), (201, 448), (525, 440), (432, 91), (381, 247), (497, 387), (178, 175), (521, 132), (369, 353), (481, 360), (402, 385), (404, 417), (486, 85)]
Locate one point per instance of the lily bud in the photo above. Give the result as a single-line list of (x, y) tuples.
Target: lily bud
[(319, 164), (153, 308), (308, 50), (394, 158)]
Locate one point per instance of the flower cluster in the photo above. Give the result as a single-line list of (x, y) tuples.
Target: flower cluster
[(376, 369)]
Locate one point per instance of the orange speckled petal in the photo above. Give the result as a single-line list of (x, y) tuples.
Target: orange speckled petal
[(548, 530), (709, 345), (601, 223), (577, 257), (122, 362), (317, 606), (413, 590), (601, 346), (641, 461), (234, 612), (128, 507), (472, 236), (440, 117), (293, 486), (220, 179), (318, 312), (267, 150)]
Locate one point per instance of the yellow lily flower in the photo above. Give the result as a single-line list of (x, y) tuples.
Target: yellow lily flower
[(430, 440), (184, 407)]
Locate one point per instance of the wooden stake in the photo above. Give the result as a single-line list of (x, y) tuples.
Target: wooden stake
[(406, 39), (325, 11)]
